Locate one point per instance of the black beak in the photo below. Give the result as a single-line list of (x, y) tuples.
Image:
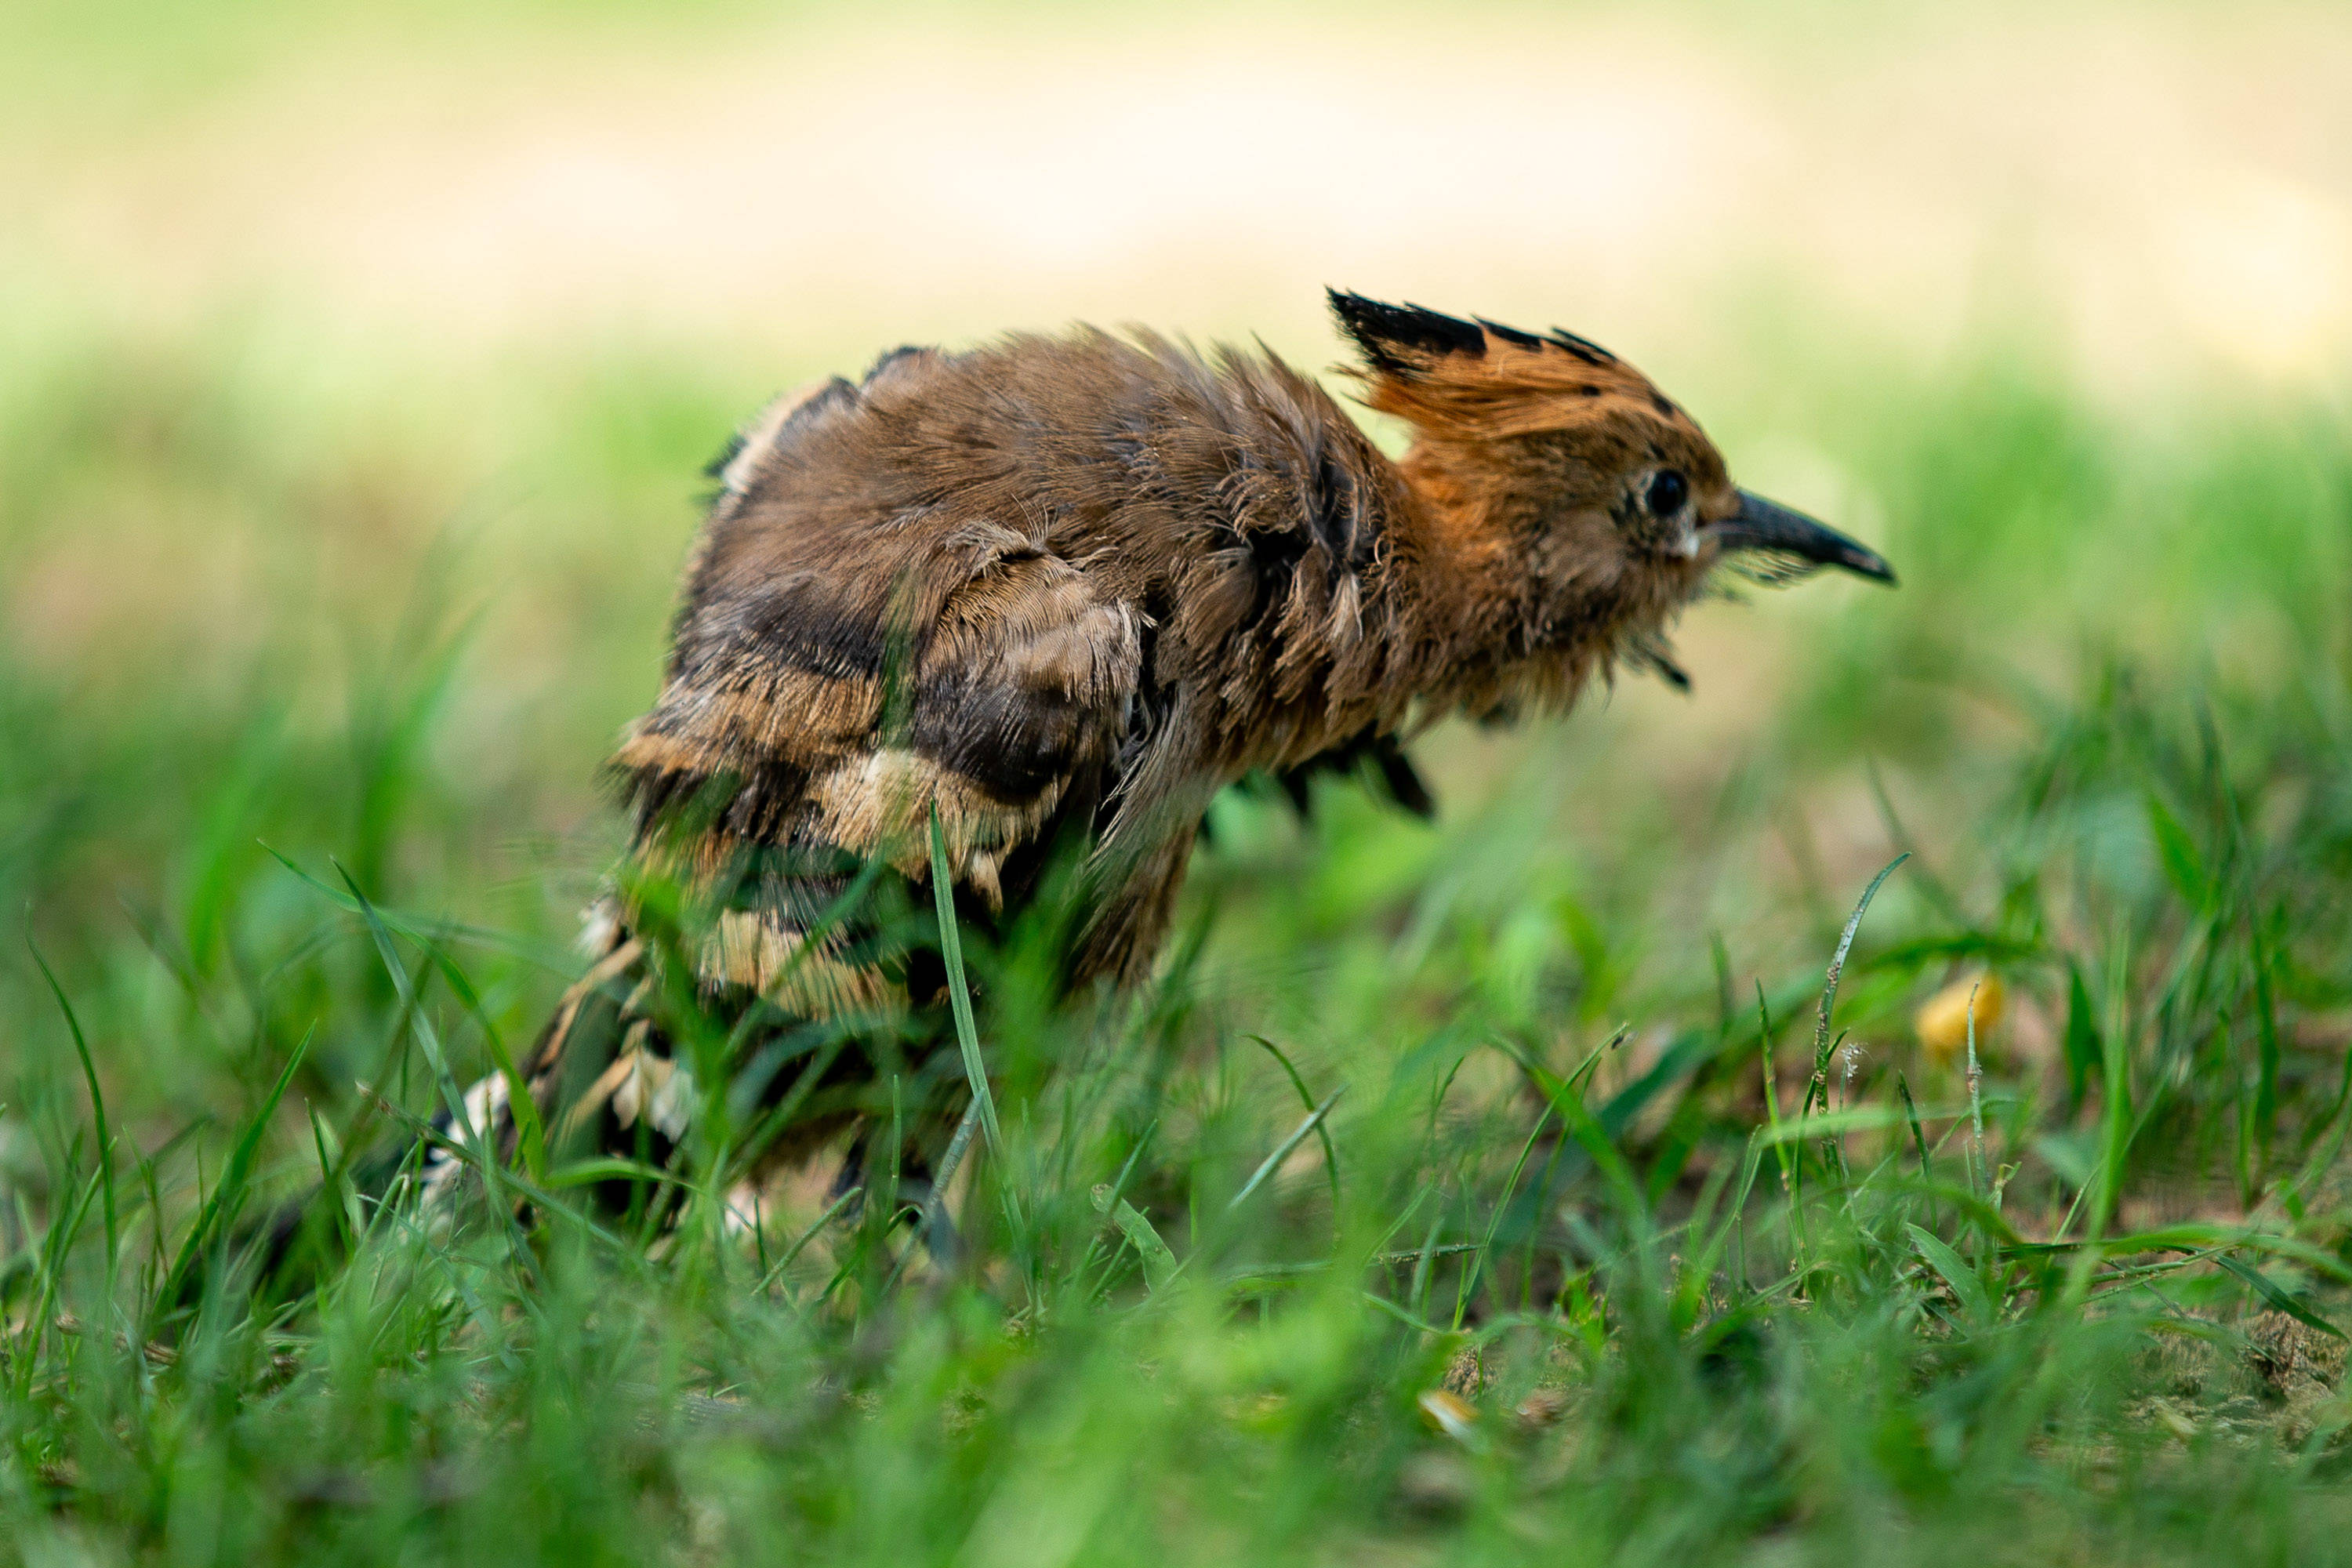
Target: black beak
[(1760, 524)]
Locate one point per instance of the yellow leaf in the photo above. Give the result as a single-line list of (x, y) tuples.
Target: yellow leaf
[(1943, 1022)]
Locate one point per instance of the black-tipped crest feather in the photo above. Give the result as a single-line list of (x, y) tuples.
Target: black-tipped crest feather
[(1382, 331), (1584, 349)]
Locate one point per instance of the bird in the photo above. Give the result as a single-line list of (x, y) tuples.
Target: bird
[(1033, 604)]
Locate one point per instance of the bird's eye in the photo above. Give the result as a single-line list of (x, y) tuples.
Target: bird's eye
[(1667, 492)]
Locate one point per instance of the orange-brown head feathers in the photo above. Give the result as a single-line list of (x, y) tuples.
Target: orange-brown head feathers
[(1558, 481)]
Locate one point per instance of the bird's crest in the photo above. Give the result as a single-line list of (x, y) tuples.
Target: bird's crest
[(1451, 376)]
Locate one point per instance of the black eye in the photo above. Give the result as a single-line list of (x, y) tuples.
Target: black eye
[(1667, 492)]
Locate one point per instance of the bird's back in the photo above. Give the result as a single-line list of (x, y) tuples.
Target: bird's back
[(1051, 578)]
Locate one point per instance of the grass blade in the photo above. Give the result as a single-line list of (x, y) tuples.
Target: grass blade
[(1314, 1119), (1159, 1265), (1494, 1220), (2277, 1296), (1819, 1090), (793, 1251), (1911, 1115), (936, 1204), (227, 1196), (479, 1151), (1322, 1133), (1966, 1287), (97, 1102), (975, 1070)]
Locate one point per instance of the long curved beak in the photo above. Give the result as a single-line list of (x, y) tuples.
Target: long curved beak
[(1761, 525)]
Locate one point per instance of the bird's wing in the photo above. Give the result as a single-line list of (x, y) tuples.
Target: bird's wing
[(1005, 712), (1003, 688), (1020, 697)]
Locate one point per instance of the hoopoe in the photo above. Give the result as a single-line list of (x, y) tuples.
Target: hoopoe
[(1054, 594)]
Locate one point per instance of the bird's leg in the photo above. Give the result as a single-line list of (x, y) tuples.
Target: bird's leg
[(848, 1178), (916, 1198)]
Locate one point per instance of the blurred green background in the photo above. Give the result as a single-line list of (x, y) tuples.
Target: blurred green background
[(357, 367)]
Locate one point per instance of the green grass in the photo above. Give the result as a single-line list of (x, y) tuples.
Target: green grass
[(1513, 1064)]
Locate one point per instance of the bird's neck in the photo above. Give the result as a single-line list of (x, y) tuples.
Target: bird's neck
[(1462, 597)]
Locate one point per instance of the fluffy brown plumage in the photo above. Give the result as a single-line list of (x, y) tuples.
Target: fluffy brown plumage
[(1061, 590)]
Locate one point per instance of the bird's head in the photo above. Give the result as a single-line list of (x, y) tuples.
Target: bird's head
[(1557, 477)]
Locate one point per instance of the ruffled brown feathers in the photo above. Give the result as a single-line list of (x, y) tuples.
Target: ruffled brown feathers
[(1073, 585)]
